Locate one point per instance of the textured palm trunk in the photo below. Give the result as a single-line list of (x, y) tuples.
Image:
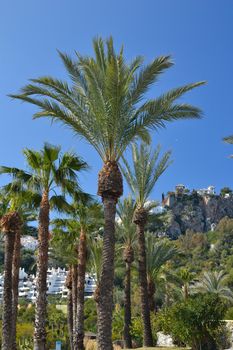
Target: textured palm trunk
[(70, 307), (15, 286), (140, 221), (127, 307), (105, 304), (74, 298), (42, 267), (186, 291), (79, 336), (110, 188), (151, 295), (10, 224), (7, 292)]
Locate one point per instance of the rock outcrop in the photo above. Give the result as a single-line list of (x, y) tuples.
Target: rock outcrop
[(197, 212)]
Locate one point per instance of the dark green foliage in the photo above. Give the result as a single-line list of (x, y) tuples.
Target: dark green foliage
[(90, 322), (28, 260), (195, 322)]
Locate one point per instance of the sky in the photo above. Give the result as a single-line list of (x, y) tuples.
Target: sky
[(199, 36)]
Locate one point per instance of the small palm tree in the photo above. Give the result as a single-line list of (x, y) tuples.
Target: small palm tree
[(24, 202), (142, 177), (48, 169), (126, 230), (158, 253), (64, 245), (186, 278), (105, 105), (84, 218), (10, 225), (216, 283), (88, 213)]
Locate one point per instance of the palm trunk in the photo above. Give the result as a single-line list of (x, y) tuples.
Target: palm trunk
[(186, 291), (70, 317), (70, 307), (151, 295), (105, 304), (127, 307), (15, 286), (140, 221), (110, 188), (79, 336), (7, 291), (41, 282), (74, 298)]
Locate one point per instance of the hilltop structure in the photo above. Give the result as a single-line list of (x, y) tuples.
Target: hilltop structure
[(199, 210)]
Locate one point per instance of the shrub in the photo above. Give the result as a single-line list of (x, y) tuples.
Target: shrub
[(195, 322)]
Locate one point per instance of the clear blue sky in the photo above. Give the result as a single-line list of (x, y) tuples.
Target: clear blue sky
[(197, 33)]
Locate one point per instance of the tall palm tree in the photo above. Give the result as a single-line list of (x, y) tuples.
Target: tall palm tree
[(48, 169), (158, 253), (127, 234), (24, 202), (105, 105), (10, 224), (141, 178), (216, 283), (64, 245), (86, 213)]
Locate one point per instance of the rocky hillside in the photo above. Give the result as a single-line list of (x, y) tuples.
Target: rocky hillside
[(196, 211)]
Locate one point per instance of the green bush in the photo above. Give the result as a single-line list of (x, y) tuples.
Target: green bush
[(137, 329), (195, 322)]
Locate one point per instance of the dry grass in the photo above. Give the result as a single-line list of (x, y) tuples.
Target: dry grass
[(92, 345)]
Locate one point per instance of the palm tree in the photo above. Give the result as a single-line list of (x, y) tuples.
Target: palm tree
[(186, 278), (87, 214), (158, 253), (104, 104), (216, 283), (48, 169), (95, 262), (64, 245), (10, 225), (127, 235), (24, 202), (228, 139), (141, 178)]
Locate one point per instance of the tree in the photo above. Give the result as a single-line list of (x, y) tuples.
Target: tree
[(225, 190), (228, 139), (48, 169), (127, 234), (214, 283), (196, 322), (10, 224), (64, 245), (85, 215), (24, 203), (158, 253), (104, 104), (141, 178), (186, 278)]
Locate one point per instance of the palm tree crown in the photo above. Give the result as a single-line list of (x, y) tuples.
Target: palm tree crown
[(104, 103), (47, 169), (145, 172), (158, 252), (214, 282)]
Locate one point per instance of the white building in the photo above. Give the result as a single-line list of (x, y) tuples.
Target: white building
[(206, 191), (55, 284)]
